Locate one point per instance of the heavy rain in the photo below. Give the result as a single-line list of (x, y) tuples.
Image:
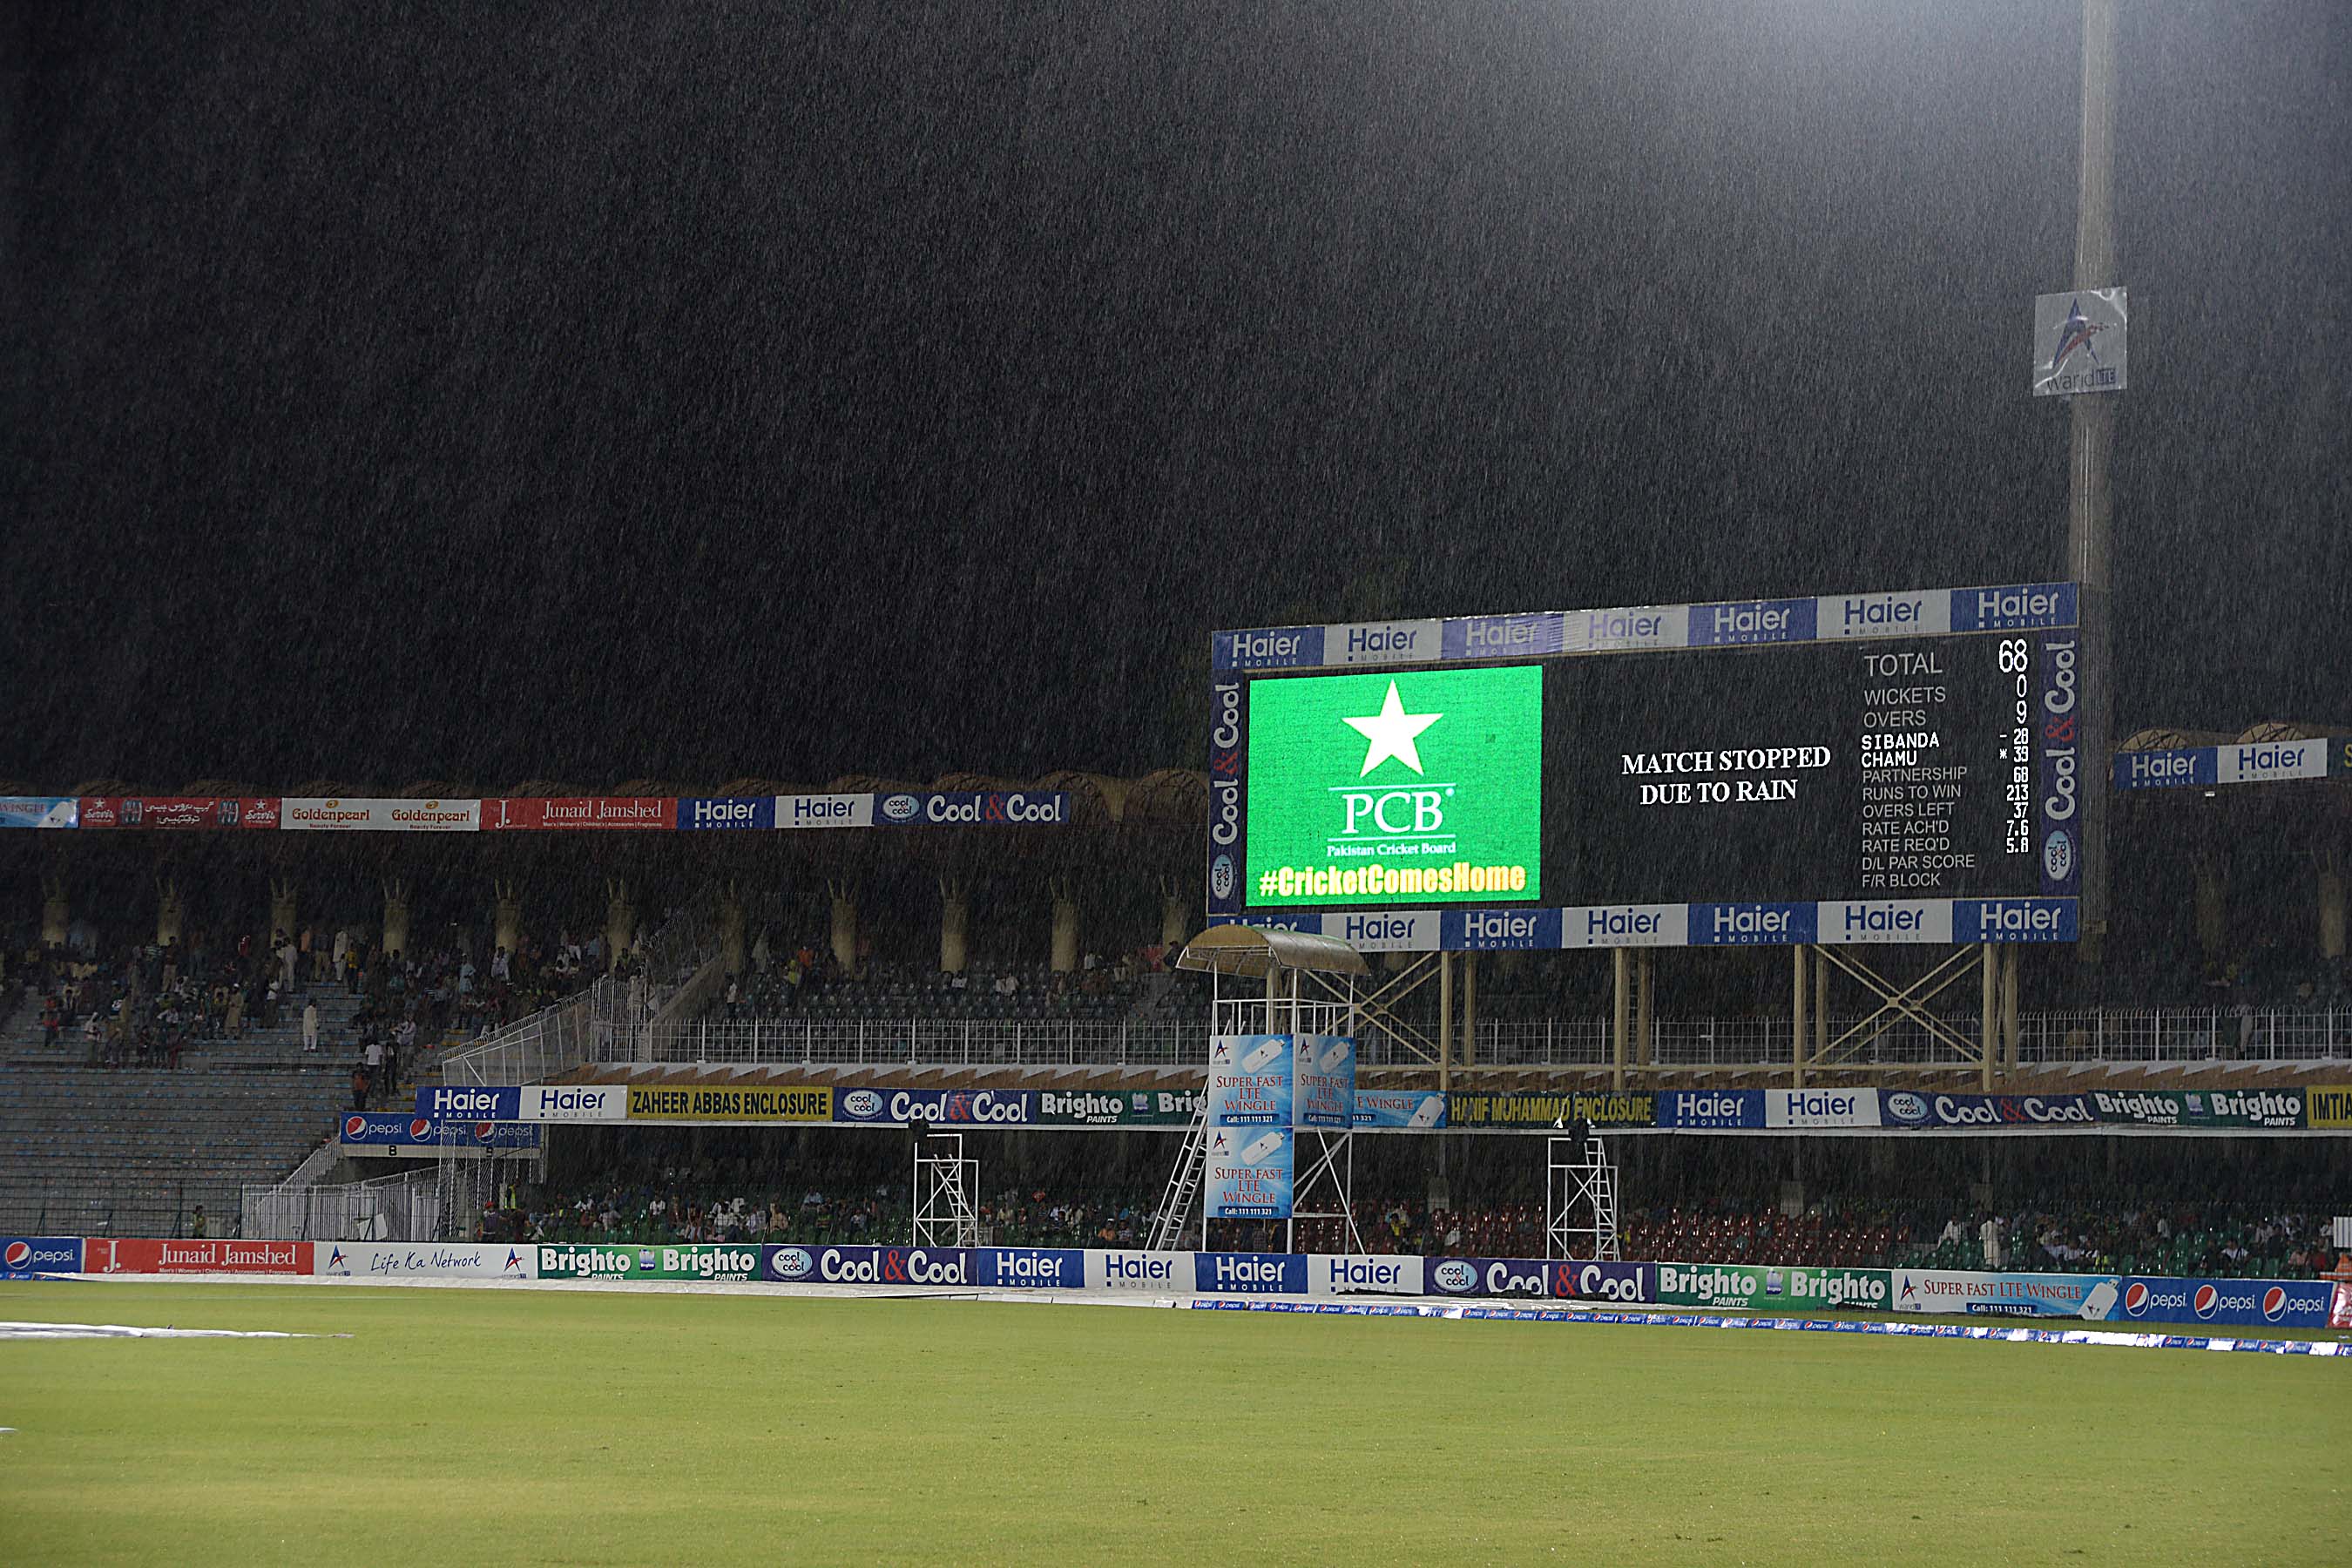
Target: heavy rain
[(1589, 663)]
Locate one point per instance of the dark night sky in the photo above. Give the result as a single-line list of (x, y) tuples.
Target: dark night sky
[(591, 391)]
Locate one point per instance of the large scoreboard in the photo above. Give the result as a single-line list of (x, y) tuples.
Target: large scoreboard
[(1874, 767)]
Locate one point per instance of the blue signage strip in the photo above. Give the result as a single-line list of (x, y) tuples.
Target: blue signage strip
[(1932, 921), (1551, 633), (468, 1103), (25, 1256)]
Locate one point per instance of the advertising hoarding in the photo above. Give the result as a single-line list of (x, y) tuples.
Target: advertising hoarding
[(1116, 1108), (1957, 1293), (179, 813), (587, 812), (25, 1256), (434, 1259), (1323, 1080), (939, 1106), (1602, 1111), (1250, 1080), (1410, 1110), (1248, 1172), (703, 1102), (140, 1255), (1249, 1273), (39, 811), (2079, 340), (1741, 1285), (2223, 1108), (863, 1265), (323, 814), (392, 1134), (1485, 1277), (629, 1262)]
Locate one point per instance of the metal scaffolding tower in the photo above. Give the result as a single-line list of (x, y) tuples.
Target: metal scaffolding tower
[(1580, 1199)]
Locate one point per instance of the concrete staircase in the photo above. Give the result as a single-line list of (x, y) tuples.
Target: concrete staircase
[(131, 1151)]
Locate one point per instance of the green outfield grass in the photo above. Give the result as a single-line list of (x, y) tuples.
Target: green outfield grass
[(472, 1427)]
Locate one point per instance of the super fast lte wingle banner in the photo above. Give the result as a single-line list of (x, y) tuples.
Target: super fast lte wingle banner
[(1251, 1161)]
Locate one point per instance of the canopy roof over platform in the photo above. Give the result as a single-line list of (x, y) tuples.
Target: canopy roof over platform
[(1246, 950)]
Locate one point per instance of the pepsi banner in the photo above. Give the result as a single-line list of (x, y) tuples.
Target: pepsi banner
[(2238, 1303), (25, 1256), (392, 1134)]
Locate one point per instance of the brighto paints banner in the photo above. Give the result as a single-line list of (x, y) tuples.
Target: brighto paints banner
[(1369, 788)]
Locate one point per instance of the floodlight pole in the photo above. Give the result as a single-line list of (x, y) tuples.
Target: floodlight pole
[(2088, 507)]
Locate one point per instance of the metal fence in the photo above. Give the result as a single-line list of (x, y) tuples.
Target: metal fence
[(606, 1022), (597, 1028), (2188, 1035), (405, 1207), (598, 1024)]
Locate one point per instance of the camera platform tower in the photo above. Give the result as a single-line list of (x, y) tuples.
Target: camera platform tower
[(1580, 1199)]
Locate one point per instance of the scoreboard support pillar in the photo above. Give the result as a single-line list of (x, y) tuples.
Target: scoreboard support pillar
[(2010, 984), (1905, 1003), (1821, 1003), (1469, 1009), (1646, 1048), (1618, 1030), (1444, 1021), (1797, 1016), (1988, 1033)]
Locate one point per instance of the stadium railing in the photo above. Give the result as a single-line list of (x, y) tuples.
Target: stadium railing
[(598, 1028), (2187, 1034), (405, 1207), (608, 1021)]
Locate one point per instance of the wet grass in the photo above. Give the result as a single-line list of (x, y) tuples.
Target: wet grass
[(515, 1426)]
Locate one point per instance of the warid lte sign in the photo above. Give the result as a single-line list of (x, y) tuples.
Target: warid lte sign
[(1937, 797)]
